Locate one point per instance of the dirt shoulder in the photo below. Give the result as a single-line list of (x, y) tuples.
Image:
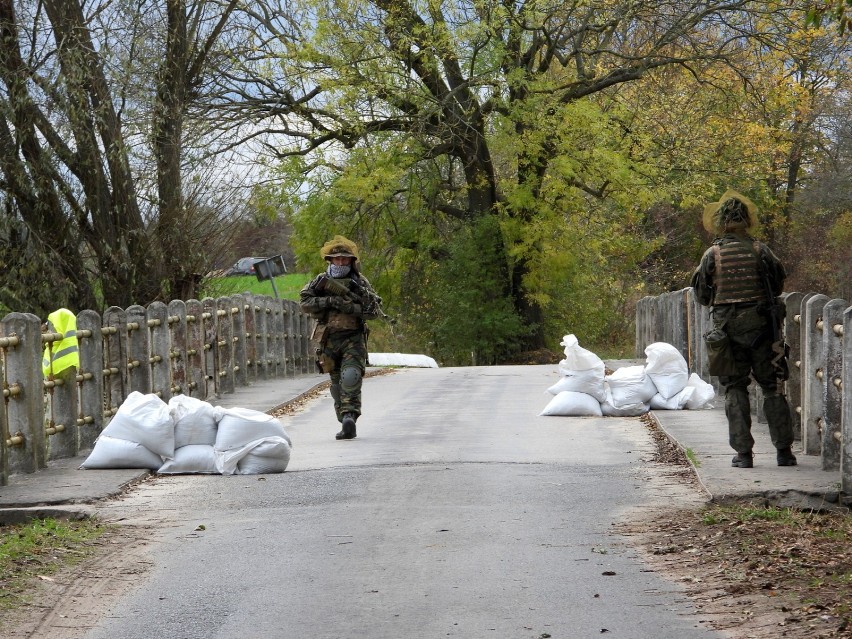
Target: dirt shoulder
[(68, 603), (751, 571)]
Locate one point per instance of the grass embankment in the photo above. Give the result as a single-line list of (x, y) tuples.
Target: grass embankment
[(288, 286), (36, 550)]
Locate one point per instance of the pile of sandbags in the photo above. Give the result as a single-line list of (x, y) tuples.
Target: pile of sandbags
[(662, 383), (189, 435)]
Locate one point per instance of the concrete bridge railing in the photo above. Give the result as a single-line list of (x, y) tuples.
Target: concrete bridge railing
[(820, 386), (200, 348)]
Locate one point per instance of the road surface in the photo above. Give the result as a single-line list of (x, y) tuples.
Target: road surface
[(457, 512)]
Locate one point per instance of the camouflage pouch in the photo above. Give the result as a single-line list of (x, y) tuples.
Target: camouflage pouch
[(720, 354), (780, 357), (319, 333)]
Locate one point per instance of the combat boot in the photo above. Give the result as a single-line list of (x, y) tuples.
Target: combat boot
[(786, 457), (743, 460), (348, 430)]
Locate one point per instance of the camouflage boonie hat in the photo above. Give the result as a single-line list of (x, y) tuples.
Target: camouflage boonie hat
[(714, 220), (339, 246)]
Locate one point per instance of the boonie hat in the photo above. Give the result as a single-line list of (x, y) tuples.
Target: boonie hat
[(713, 221)]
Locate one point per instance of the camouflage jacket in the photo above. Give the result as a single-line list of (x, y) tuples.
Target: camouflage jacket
[(361, 300)]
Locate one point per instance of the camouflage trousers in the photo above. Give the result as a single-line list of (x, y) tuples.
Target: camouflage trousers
[(346, 353), (751, 341)]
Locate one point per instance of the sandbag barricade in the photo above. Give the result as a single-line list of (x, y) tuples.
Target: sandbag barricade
[(190, 436), (662, 383)]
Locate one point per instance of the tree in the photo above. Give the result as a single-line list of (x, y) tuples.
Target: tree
[(98, 175), (484, 92)]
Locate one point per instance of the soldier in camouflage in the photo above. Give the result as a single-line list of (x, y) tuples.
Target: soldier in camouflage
[(740, 279), (341, 300)]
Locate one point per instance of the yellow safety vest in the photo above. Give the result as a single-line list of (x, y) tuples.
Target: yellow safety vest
[(61, 355)]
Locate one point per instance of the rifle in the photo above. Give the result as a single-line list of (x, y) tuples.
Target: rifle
[(369, 301), (776, 312)]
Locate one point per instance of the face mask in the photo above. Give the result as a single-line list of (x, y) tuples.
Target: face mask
[(338, 270)]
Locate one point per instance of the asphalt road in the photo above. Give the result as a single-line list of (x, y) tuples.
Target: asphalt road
[(457, 512)]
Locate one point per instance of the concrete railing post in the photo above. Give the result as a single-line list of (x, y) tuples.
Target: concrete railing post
[(196, 353), (846, 419), (261, 321), (793, 338), (238, 317), (178, 348), (91, 371), (812, 375), (61, 419), (225, 350), (251, 338), (280, 338), (159, 341), (138, 350), (211, 354), (308, 363), (115, 358), (832, 332), (27, 450), (291, 325)]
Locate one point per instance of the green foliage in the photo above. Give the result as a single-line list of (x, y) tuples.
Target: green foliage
[(597, 186), (459, 304), (839, 11), (30, 281)]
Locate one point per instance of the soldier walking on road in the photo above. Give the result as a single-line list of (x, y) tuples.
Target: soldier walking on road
[(341, 300), (740, 279)]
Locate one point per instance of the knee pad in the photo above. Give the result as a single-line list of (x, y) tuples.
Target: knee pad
[(350, 378)]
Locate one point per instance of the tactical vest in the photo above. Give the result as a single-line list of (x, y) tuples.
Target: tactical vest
[(738, 275), (61, 355), (337, 321)]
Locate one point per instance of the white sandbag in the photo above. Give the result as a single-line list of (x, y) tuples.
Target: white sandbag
[(589, 381), (609, 409), (630, 385), (572, 403), (146, 420), (703, 396), (401, 359), (241, 426), (191, 459), (676, 402), (667, 368), (111, 452), (578, 358), (267, 455), (195, 421), (270, 456)]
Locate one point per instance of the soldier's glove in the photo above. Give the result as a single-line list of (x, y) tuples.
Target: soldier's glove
[(350, 308), (335, 302)]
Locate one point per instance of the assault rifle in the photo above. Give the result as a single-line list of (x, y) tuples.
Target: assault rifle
[(369, 301), (776, 312)]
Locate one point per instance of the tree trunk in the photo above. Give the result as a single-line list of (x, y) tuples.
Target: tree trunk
[(118, 236), (172, 93), (33, 182)]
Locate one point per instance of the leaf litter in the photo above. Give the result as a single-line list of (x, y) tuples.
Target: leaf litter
[(752, 571)]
